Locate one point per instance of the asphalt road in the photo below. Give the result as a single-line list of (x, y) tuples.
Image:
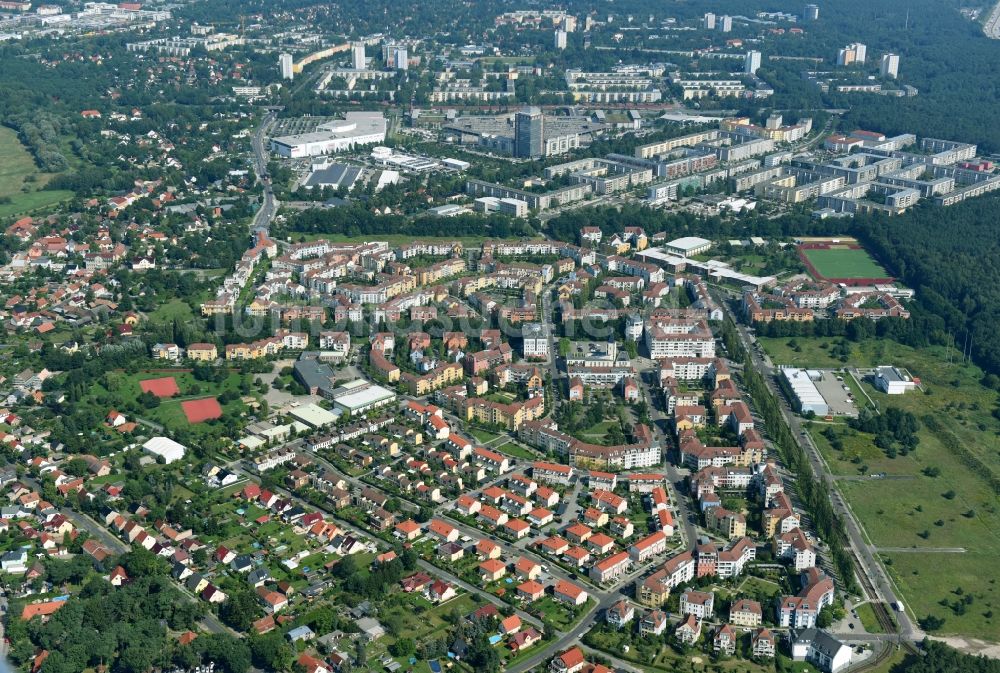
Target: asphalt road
[(269, 208), (684, 515)]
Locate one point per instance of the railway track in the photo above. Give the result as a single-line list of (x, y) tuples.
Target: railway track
[(883, 618)]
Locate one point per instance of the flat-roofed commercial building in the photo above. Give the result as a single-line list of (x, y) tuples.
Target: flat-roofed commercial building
[(357, 128), (804, 391), (360, 396)]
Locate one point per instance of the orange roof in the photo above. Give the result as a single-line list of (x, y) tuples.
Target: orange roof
[(525, 565), (39, 660), (492, 566), (600, 540), (540, 513), (567, 589), (439, 527), (552, 467), (407, 526), (612, 561), (510, 624), (650, 540), (41, 609), (491, 513), (572, 658), (531, 587)]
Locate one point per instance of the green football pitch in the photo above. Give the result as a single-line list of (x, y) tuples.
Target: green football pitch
[(844, 263)]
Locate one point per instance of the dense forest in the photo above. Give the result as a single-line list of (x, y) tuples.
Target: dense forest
[(951, 256), (940, 658)]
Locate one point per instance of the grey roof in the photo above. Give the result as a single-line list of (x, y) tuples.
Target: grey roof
[(889, 373), (371, 627), (314, 374), (259, 575), (334, 175), (821, 641)]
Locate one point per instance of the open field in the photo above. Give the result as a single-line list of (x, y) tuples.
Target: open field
[(931, 498), (844, 263), (16, 164), (175, 309), (955, 408)]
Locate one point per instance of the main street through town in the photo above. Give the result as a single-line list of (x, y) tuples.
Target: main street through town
[(264, 216)]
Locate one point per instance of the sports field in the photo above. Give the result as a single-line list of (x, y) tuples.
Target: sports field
[(205, 409), (837, 262), (161, 387)]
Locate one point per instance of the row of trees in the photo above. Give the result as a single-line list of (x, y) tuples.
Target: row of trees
[(357, 220), (815, 494), (40, 133)]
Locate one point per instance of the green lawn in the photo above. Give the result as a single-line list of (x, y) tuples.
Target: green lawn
[(483, 436), (416, 617), (810, 352), (910, 509), (844, 263), (512, 449), (597, 433), (867, 616), (890, 665), (752, 583), (175, 309), (859, 454), (16, 164), (557, 614), (664, 659), (28, 202)]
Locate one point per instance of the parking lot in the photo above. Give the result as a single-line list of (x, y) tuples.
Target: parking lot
[(837, 394), (296, 125)]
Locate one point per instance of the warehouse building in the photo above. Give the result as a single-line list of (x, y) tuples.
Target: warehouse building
[(165, 448), (893, 381), (800, 383), (357, 128), (360, 396), (314, 415)]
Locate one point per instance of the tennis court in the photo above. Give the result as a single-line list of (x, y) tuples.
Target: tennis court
[(205, 409), (162, 387)]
